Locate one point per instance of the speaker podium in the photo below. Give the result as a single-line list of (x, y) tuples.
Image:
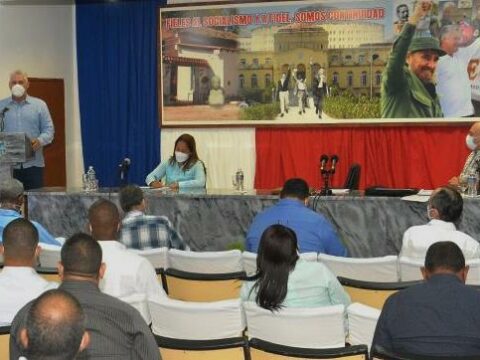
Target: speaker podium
[(15, 148)]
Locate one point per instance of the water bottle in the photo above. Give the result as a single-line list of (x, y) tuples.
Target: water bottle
[(92, 183), (472, 181), (239, 179)]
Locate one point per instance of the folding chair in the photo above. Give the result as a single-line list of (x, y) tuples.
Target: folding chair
[(249, 260), (379, 269), (371, 293), (362, 321), (49, 256), (314, 328), (200, 287), (208, 262), (195, 331), (48, 273)]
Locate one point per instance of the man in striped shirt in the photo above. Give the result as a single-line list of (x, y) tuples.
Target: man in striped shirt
[(140, 231)]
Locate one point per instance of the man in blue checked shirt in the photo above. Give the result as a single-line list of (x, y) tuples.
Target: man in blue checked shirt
[(29, 115), (140, 231)]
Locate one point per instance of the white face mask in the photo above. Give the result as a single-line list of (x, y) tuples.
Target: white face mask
[(18, 90), (470, 142), (181, 157)]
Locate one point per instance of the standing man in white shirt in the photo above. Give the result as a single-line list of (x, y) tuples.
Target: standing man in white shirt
[(19, 282), (453, 83), (127, 274), (445, 208)]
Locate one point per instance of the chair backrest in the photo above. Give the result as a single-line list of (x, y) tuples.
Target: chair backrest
[(362, 321), (409, 269), (186, 286), (473, 276), (197, 320), (370, 293), (315, 328), (352, 181), (49, 256), (157, 257), (379, 269), (224, 349), (263, 350), (208, 262), (4, 342), (48, 273), (249, 260)]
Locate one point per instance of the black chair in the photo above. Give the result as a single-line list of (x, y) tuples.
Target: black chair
[(264, 350), (352, 181)]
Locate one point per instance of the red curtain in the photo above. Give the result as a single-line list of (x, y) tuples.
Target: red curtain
[(393, 156)]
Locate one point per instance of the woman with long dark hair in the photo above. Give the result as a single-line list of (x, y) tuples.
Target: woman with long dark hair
[(183, 170), (285, 280)]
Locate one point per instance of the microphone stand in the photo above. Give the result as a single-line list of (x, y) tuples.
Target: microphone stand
[(326, 190), (123, 174)]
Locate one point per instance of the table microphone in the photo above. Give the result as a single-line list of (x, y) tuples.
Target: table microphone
[(334, 163), (323, 162)]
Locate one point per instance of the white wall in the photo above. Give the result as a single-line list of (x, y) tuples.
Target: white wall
[(40, 40)]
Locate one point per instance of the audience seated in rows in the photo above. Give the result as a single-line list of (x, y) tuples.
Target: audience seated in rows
[(140, 231), (445, 208), (314, 232), (439, 317), (11, 202), (127, 273), (284, 280), (54, 327), (19, 283), (117, 330)]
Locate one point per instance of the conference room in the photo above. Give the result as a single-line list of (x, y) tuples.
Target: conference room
[(202, 112)]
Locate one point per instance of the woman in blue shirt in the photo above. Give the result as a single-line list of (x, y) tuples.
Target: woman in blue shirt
[(183, 170), (284, 280)]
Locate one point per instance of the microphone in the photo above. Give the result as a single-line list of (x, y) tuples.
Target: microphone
[(334, 163), (123, 167), (323, 162)]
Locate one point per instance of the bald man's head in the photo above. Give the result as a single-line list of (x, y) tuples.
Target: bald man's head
[(104, 220), (55, 327)]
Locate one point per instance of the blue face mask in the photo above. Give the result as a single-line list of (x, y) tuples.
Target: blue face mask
[(470, 142)]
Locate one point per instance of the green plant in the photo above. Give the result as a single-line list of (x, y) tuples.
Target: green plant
[(346, 105), (260, 112)]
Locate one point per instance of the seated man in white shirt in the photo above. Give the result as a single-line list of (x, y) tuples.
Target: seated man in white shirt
[(445, 208), (19, 283), (127, 274)]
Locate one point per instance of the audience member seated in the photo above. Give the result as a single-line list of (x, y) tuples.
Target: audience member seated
[(439, 317), (314, 232), (140, 231), (127, 273), (55, 327), (117, 330), (19, 283), (445, 208), (285, 280), (11, 201)]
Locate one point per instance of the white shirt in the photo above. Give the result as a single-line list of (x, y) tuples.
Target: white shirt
[(128, 275), (453, 84), (18, 286), (417, 240)]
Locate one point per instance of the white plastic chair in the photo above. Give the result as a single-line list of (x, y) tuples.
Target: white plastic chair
[(249, 260), (49, 256), (157, 257), (410, 269), (377, 269), (473, 276), (197, 321), (315, 328), (208, 262), (362, 321)]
